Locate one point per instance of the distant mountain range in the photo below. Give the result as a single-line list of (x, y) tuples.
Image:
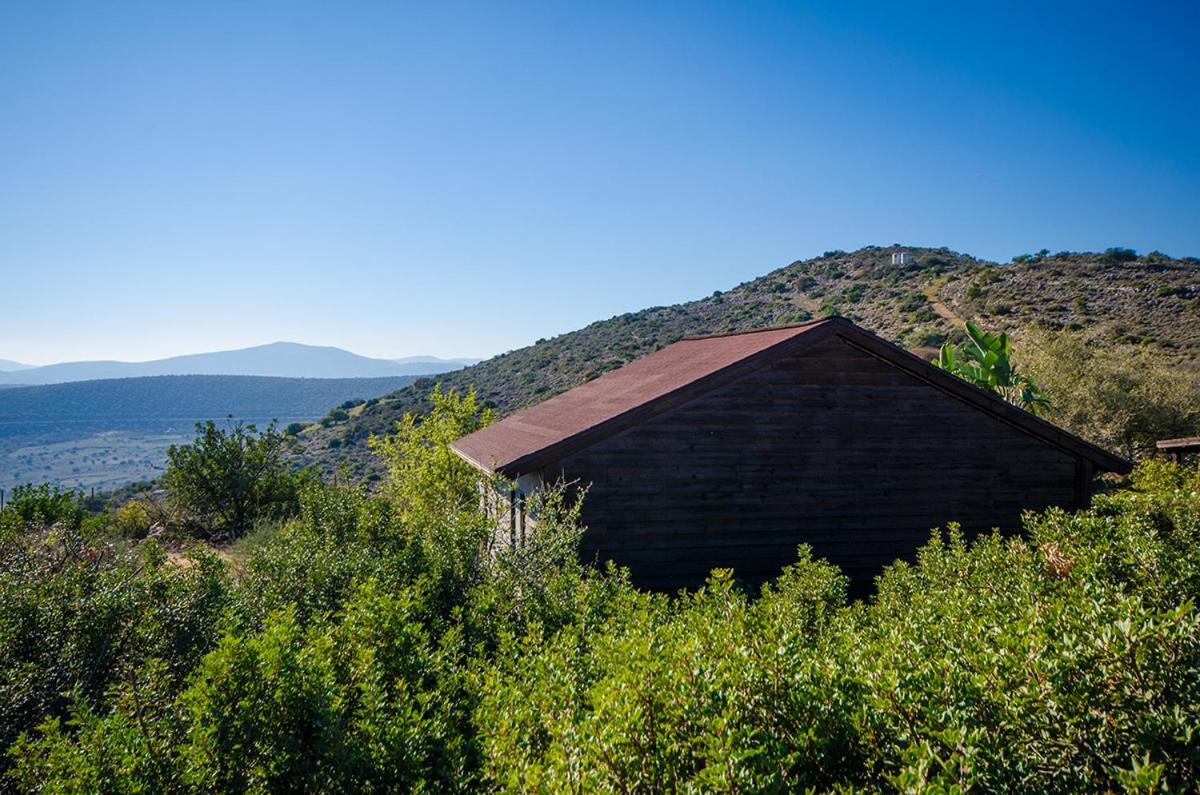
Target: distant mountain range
[(278, 359)]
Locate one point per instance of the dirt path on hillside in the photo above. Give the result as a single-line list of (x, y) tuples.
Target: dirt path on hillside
[(180, 558), (942, 310)]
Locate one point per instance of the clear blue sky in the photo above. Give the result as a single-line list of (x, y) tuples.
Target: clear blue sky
[(463, 179)]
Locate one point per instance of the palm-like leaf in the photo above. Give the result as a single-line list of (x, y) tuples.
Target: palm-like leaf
[(987, 363)]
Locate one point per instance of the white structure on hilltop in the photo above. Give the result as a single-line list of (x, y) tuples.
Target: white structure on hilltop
[(900, 258)]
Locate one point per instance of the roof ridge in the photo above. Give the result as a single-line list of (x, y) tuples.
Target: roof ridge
[(783, 327), (569, 425), (584, 414)]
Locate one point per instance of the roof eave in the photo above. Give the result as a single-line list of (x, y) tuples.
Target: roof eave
[(993, 404), (454, 448)]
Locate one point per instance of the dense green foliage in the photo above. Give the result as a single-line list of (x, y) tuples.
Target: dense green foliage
[(380, 643), (79, 620), (229, 478), (1122, 397), (987, 362)]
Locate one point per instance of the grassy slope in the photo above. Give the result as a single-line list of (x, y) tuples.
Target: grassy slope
[(1152, 300)]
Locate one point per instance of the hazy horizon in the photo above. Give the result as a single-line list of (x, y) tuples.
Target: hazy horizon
[(463, 180), (399, 358)]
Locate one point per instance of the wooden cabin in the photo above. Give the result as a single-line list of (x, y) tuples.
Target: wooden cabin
[(1179, 450), (730, 450)]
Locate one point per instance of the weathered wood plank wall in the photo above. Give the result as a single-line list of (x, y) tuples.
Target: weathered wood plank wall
[(834, 448)]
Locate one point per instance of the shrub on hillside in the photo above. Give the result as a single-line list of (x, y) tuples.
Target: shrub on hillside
[(1121, 397), (132, 520), (1117, 255), (337, 415), (40, 506), (229, 478)]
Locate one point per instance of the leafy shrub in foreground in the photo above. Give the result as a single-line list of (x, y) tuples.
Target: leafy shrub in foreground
[(1063, 662), (347, 705), (714, 692), (378, 644), (76, 620)]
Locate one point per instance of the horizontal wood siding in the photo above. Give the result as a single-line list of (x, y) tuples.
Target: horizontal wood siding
[(832, 448)]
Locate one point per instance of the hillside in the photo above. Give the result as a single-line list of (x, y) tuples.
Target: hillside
[(110, 432), (1153, 299), (8, 365), (278, 359)]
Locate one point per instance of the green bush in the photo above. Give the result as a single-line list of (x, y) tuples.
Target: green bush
[(1066, 661), (42, 506), (923, 314), (132, 520), (854, 293), (382, 643), (228, 479), (330, 706), (335, 416), (1117, 255), (76, 620)]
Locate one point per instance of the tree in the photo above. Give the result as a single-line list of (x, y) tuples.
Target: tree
[(427, 480), (1117, 255), (41, 506), (988, 364), (1122, 397), (227, 479)]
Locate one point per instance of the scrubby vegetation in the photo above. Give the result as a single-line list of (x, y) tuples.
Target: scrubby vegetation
[(1123, 397), (228, 479), (1118, 299), (378, 643)]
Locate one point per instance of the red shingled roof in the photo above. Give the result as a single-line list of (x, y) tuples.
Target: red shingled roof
[(649, 381), (539, 435)]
